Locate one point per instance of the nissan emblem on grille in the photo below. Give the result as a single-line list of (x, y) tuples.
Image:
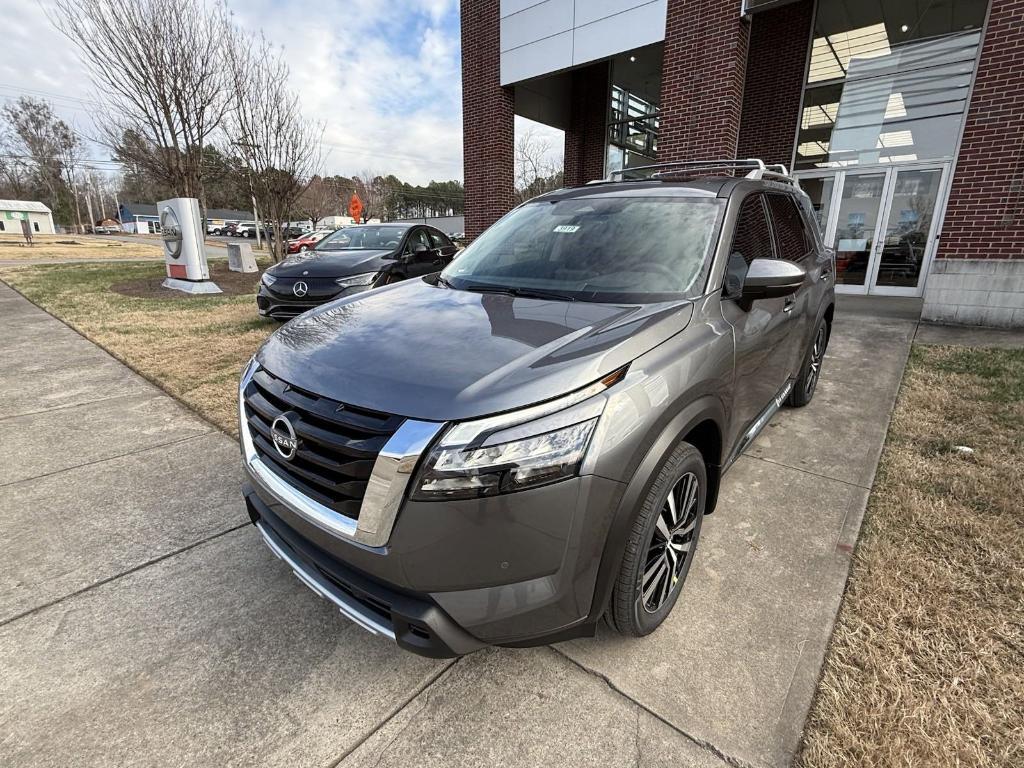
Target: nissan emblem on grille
[(283, 435), (300, 289)]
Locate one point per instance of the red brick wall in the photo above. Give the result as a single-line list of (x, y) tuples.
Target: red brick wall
[(488, 119), (585, 138), (704, 63), (985, 214), (775, 77)]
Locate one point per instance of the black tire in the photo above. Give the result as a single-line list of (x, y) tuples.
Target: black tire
[(632, 612), (810, 370)]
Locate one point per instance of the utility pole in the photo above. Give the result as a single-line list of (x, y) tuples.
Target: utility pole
[(88, 204), (78, 207), (117, 207)]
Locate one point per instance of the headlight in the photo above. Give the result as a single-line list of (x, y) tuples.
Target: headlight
[(353, 280), (509, 453), (268, 279)]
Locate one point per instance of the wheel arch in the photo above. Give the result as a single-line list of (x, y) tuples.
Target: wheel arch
[(702, 421)]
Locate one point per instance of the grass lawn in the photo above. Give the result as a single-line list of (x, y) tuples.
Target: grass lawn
[(194, 347), (926, 666), (13, 248)]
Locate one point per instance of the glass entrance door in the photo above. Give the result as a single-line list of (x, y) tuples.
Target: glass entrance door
[(881, 223)]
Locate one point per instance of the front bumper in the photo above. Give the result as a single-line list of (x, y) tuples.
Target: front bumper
[(414, 623), (446, 584)]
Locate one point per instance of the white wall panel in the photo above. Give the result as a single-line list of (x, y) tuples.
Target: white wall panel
[(588, 11), (536, 23), (625, 31), (548, 55), (538, 38), (508, 7)]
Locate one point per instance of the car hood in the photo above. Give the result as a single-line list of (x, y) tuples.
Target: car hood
[(330, 263), (437, 354)]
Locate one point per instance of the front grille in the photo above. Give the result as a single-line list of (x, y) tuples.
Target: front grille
[(338, 443), (317, 287)]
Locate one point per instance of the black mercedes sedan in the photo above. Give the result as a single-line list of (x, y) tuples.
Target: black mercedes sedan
[(349, 261)]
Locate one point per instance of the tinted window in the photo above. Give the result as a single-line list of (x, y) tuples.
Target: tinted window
[(792, 236), (753, 240), (418, 237), (371, 236), (439, 240), (596, 248)]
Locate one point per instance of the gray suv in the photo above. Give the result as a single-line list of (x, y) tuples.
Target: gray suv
[(507, 451)]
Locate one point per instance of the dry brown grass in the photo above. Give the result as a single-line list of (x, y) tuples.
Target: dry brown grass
[(193, 347), (926, 666), (13, 248)]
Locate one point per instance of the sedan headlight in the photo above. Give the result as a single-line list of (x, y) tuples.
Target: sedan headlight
[(268, 279), (351, 281), (513, 452)]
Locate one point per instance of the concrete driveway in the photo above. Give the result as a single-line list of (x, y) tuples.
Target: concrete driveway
[(142, 622)]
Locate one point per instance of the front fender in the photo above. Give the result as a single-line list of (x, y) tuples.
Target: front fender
[(705, 409)]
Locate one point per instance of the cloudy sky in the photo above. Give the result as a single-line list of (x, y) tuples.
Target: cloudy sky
[(382, 75)]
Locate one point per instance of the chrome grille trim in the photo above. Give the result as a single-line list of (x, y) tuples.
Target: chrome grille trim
[(386, 489)]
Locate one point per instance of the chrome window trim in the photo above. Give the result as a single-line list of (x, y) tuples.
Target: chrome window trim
[(348, 607), (385, 490)]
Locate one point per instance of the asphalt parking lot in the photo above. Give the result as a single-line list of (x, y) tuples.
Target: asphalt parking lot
[(143, 622)]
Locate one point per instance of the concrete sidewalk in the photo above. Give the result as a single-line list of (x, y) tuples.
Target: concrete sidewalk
[(143, 623)]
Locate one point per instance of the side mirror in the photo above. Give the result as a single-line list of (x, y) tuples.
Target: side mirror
[(771, 278), (420, 252)]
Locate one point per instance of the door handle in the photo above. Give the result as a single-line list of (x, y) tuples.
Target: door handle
[(788, 306)]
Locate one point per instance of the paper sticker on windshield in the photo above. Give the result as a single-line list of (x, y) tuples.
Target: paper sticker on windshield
[(567, 228)]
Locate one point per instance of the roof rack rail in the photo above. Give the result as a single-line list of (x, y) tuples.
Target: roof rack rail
[(757, 170)]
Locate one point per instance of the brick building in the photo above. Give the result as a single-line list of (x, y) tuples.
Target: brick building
[(903, 119)]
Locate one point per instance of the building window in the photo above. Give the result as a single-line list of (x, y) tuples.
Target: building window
[(35, 225), (3, 227), (887, 84), (633, 114)]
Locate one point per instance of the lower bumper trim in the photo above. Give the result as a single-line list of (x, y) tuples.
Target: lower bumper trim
[(349, 608)]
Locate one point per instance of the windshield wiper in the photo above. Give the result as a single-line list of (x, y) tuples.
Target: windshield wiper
[(525, 293), (444, 282)]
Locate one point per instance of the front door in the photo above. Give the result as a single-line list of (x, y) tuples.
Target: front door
[(882, 223)]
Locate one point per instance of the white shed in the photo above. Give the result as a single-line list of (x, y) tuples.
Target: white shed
[(13, 211)]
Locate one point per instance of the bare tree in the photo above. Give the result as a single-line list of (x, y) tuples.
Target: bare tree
[(537, 169), (372, 191), (157, 68), (279, 147), (318, 200)]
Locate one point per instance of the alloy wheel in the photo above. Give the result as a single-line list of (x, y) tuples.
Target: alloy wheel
[(671, 543), (817, 356)]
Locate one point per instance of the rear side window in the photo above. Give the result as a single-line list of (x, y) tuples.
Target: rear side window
[(794, 240)]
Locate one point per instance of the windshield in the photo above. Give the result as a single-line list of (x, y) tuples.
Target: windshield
[(363, 238), (630, 249)]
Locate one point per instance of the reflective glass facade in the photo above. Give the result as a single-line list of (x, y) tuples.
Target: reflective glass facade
[(888, 81)]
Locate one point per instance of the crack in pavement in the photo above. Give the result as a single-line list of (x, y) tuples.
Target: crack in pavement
[(397, 710), (122, 574), (143, 449), (703, 744)]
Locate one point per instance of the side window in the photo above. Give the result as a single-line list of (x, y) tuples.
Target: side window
[(439, 240), (794, 240), (753, 240), (417, 237)]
